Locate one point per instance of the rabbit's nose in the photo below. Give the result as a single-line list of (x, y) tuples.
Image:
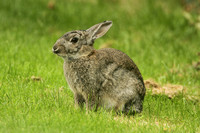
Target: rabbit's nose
[(56, 49)]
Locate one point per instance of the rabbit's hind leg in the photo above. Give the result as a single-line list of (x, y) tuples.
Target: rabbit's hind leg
[(132, 107)]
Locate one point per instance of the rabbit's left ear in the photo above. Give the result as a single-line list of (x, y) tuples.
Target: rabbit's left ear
[(98, 30)]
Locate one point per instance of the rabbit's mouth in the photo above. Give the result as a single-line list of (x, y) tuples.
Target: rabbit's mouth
[(59, 52), (56, 50)]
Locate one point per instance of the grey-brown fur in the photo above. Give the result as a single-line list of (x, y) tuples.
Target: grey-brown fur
[(105, 78)]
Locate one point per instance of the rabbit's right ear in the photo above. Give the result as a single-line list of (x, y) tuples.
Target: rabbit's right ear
[(97, 31)]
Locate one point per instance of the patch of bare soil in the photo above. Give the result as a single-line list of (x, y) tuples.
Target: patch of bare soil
[(35, 78), (169, 90)]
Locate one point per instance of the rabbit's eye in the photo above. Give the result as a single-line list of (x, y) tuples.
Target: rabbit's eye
[(74, 40)]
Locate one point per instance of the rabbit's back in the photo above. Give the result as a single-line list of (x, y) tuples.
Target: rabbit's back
[(108, 56)]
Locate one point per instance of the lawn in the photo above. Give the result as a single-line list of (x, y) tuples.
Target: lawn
[(158, 35)]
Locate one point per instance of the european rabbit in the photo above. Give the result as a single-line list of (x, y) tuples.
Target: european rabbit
[(105, 78)]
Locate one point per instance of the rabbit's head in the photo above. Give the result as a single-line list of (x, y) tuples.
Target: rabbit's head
[(78, 43)]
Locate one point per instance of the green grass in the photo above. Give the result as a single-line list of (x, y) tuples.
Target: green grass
[(154, 34)]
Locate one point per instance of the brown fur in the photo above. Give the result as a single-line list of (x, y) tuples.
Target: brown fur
[(105, 78)]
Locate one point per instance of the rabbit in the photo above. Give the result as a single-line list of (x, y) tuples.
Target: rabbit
[(106, 78)]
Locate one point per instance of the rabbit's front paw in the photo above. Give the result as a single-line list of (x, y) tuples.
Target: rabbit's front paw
[(79, 100)]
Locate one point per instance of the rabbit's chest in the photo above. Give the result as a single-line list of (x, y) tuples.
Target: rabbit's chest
[(81, 76)]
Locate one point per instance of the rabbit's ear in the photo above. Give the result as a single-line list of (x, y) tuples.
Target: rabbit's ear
[(98, 30)]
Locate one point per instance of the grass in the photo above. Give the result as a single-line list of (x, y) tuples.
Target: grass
[(155, 35)]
